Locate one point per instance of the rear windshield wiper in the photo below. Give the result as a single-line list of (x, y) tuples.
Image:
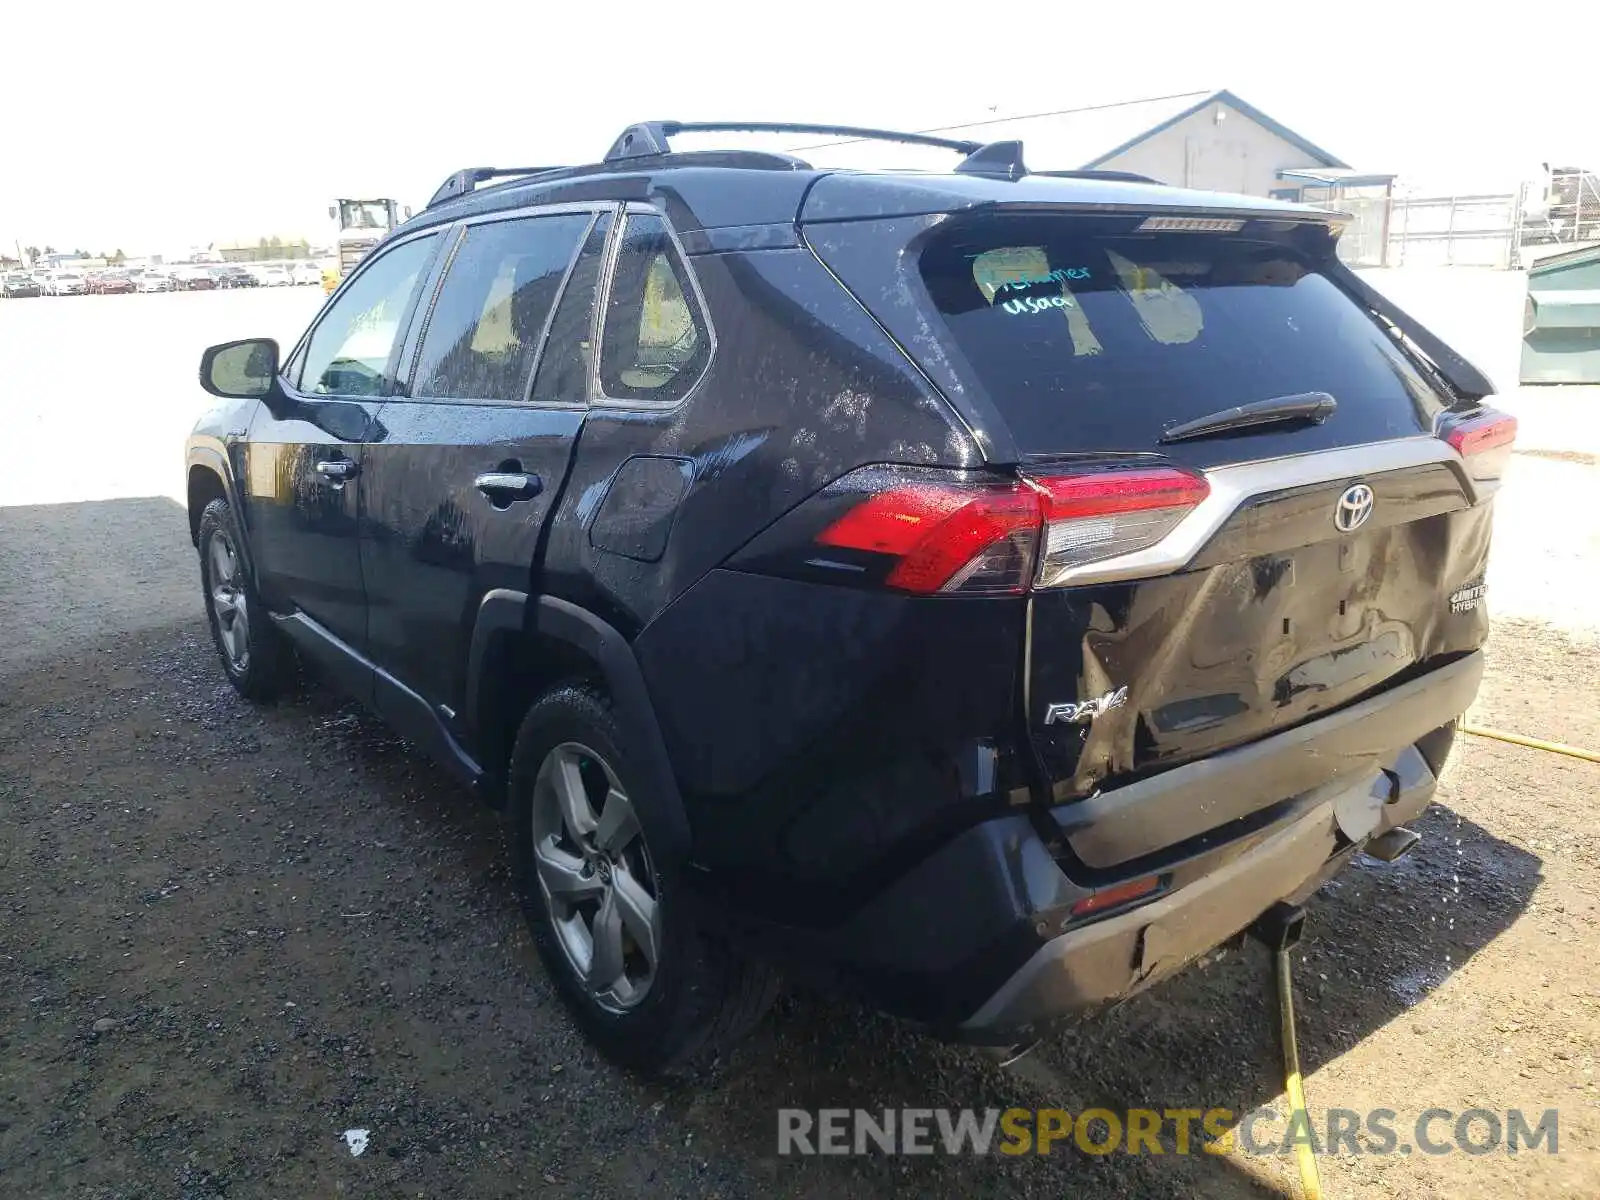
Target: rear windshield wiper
[(1309, 407)]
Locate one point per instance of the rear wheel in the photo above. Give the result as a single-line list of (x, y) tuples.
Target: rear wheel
[(257, 658), (647, 986)]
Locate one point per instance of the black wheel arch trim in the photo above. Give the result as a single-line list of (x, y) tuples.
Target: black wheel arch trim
[(213, 459), (503, 610)]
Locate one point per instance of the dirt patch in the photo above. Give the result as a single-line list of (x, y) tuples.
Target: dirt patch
[(228, 935), (1572, 456)]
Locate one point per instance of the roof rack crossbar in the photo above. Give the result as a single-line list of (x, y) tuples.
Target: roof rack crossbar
[(650, 137), (463, 181)]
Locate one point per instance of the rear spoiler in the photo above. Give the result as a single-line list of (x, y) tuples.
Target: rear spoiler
[(1464, 379)]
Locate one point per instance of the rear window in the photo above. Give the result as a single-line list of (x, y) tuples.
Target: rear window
[(1082, 336)]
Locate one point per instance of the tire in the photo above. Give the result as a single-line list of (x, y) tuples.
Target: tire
[(698, 996), (258, 660)]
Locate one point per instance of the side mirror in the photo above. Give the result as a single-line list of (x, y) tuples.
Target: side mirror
[(333, 211), (243, 370), (408, 212)]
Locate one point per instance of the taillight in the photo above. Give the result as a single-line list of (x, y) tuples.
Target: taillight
[(928, 530), (973, 539), (1106, 514), (1484, 433), (1484, 441)]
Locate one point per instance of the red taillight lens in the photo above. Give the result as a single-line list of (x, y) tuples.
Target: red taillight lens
[(1483, 441), (1106, 514), (1483, 433), (971, 539)]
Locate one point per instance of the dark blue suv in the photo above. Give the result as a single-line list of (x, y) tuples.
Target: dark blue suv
[(981, 591)]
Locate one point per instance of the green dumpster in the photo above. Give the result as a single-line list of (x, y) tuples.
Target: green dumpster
[(1561, 319)]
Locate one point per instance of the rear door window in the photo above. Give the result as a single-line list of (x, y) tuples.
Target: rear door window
[(1084, 336), (568, 356), (486, 326)]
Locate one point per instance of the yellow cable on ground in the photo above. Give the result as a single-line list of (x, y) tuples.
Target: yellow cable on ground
[(1516, 739), (1305, 1157), (1294, 1086)]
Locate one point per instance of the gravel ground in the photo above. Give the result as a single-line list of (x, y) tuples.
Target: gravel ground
[(229, 934)]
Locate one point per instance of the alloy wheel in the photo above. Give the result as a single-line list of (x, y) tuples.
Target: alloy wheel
[(596, 876), (228, 601)]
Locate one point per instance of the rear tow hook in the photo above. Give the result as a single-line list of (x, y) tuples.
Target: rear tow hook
[(1279, 929)]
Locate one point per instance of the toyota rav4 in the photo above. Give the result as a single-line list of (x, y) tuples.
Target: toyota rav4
[(982, 592)]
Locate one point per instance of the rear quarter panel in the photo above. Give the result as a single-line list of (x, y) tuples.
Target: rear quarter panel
[(803, 387)]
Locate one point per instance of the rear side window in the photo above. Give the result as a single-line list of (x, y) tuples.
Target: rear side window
[(655, 342), (491, 312), (1082, 335)]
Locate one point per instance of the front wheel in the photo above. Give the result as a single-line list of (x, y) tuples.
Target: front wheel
[(258, 659), (646, 985)]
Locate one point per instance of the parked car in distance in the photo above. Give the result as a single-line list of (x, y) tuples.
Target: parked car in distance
[(232, 275), (192, 278), (67, 283), (16, 285), (307, 273), (151, 280), (978, 592), (111, 283)]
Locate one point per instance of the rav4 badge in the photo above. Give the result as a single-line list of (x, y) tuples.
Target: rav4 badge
[(1086, 711)]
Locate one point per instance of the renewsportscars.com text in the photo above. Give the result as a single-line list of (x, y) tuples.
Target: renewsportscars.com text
[(1262, 1131)]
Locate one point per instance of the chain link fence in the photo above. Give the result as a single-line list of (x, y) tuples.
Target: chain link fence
[(1505, 230)]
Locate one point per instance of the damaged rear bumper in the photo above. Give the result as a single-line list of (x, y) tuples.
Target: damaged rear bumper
[(979, 939)]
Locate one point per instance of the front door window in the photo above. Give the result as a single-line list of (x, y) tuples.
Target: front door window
[(349, 352)]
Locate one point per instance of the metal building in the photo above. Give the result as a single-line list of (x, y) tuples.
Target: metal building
[(1211, 140)]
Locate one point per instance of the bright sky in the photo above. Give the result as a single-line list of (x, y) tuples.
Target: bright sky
[(154, 126)]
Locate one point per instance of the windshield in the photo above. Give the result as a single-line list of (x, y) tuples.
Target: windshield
[(363, 214), (1089, 333)]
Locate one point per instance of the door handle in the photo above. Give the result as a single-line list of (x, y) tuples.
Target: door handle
[(506, 486), (337, 470)]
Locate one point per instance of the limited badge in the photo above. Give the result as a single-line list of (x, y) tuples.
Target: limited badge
[(1468, 598)]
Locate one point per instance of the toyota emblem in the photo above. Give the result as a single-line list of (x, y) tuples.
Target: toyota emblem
[(1353, 509)]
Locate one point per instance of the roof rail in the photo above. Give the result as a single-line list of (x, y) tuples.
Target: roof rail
[(464, 180), (994, 160), (650, 137), (1113, 176)]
